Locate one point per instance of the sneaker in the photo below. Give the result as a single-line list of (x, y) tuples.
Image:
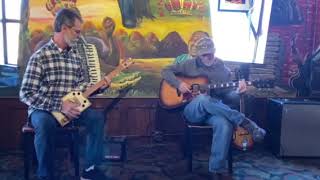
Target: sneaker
[(221, 176), (256, 132), (93, 174)]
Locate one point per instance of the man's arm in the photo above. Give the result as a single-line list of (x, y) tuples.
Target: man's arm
[(169, 73), (31, 85)]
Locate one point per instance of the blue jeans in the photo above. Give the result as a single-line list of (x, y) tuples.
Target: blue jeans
[(222, 118), (45, 126)]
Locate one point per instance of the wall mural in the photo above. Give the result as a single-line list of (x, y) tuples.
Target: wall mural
[(151, 32)]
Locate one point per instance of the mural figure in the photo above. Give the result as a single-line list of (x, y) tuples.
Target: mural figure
[(113, 55), (132, 12)]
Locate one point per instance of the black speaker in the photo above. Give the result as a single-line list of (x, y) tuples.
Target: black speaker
[(294, 127)]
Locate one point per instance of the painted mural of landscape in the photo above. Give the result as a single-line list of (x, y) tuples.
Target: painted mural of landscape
[(157, 32)]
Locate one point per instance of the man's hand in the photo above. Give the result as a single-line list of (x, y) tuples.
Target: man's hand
[(108, 80), (106, 85), (70, 109), (184, 87), (242, 86)]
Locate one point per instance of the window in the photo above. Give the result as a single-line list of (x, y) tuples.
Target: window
[(244, 33), (9, 31)]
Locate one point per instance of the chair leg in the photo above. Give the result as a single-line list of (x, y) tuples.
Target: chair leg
[(123, 151), (189, 148), (230, 160), (27, 152), (185, 145), (75, 154)]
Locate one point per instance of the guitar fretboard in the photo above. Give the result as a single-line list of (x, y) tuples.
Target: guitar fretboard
[(226, 85)]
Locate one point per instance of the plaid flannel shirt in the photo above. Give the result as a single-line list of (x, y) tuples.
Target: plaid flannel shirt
[(51, 73)]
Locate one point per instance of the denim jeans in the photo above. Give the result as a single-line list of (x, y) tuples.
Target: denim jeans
[(45, 126), (204, 108)]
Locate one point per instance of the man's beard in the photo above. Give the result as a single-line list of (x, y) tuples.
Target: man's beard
[(69, 42)]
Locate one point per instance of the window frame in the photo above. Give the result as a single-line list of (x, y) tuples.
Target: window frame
[(4, 21)]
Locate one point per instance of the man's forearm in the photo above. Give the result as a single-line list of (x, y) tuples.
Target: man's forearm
[(170, 77), (37, 101)]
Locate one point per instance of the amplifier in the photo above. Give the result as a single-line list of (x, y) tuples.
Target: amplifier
[(294, 127)]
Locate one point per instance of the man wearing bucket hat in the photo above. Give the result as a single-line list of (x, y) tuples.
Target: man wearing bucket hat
[(210, 109)]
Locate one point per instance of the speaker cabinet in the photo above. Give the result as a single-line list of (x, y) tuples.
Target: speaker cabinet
[(294, 127)]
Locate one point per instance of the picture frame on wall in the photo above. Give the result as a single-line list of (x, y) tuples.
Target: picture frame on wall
[(234, 5)]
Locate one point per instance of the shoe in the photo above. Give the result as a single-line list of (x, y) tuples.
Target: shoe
[(215, 176), (225, 176), (42, 178), (256, 132), (221, 176), (93, 174)]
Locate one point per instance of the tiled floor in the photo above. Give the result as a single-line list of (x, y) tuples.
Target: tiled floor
[(164, 161)]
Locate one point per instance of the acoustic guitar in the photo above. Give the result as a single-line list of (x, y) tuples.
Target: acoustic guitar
[(82, 98), (171, 97)]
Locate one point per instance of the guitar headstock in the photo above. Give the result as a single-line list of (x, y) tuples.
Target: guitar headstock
[(263, 83), (296, 56), (293, 44), (124, 64)]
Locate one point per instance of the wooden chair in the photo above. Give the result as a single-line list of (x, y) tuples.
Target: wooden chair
[(190, 127), (70, 138)]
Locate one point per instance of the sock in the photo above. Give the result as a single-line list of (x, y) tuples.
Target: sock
[(256, 132)]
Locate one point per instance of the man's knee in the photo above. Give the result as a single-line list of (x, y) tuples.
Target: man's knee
[(96, 117), (202, 98)]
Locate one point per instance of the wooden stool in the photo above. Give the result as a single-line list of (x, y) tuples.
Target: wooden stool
[(72, 134), (189, 127)]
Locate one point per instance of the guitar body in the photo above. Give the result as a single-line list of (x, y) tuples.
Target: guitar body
[(171, 98), (75, 97)]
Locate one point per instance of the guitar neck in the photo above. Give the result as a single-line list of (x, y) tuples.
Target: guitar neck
[(103, 82), (94, 88), (225, 85)]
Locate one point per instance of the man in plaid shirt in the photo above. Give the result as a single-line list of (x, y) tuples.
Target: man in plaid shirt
[(52, 72)]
